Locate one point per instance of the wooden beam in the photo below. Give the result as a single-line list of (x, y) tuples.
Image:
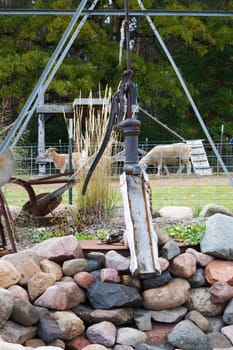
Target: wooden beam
[(91, 101), (68, 108), (55, 108)]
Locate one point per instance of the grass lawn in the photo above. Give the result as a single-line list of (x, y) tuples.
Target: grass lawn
[(181, 191)]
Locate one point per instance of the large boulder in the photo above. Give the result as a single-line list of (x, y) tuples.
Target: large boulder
[(218, 238), (59, 249)]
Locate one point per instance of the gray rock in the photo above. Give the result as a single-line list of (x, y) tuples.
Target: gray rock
[(84, 312), (93, 265), (157, 280), (153, 347), (170, 250), (211, 209), (104, 295), (198, 279), (228, 313), (188, 336), (122, 347), (96, 274), (116, 261), (12, 332), (72, 266), (169, 316), (24, 313), (100, 257), (216, 323), (212, 242), (130, 336), (218, 340), (142, 319), (118, 316), (6, 305), (47, 327), (199, 299)]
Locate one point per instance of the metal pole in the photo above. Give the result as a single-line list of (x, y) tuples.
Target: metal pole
[(160, 123), (120, 13), (195, 109)]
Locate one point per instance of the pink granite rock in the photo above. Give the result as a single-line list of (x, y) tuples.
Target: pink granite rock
[(220, 292), (164, 263), (78, 343), (103, 333), (109, 275), (183, 265), (59, 249), (84, 279), (158, 334), (61, 296), (201, 258)]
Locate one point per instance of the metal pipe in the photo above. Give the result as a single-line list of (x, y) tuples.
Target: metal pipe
[(135, 13), (127, 34), (160, 123)]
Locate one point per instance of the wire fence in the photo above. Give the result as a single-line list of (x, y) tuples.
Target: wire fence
[(192, 190), (27, 158)]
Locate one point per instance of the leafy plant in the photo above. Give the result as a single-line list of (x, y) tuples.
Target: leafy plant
[(100, 234), (41, 235), (103, 233), (82, 236), (190, 234)]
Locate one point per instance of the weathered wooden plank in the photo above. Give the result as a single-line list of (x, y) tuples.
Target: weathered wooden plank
[(199, 158), (140, 234), (55, 108), (91, 101)]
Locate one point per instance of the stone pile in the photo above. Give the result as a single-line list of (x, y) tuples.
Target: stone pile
[(54, 297)]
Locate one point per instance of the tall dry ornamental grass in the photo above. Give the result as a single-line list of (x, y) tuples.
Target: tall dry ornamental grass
[(90, 127)]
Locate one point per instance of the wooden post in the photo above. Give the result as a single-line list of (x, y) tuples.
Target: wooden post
[(70, 156), (41, 145)]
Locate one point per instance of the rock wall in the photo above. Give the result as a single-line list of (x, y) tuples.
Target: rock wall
[(54, 297)]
